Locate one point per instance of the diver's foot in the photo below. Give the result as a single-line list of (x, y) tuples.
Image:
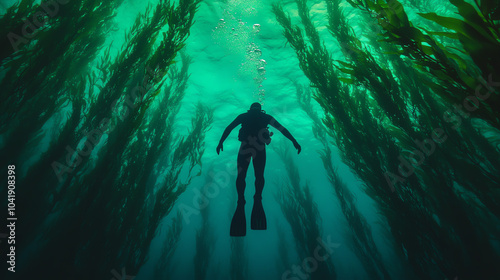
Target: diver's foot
[(239, 222), (258, 220)]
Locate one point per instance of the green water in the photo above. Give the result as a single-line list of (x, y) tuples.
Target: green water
[(149, 195)]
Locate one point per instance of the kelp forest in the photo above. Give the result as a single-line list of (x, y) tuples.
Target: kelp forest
[(112, 111)]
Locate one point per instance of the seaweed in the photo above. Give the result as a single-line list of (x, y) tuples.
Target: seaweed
[(164, 267), (37, 79), (454, 81), (238, 262), (371, 136), (44, 97), (11, 27), (109, 191), (205, 238), (283, 262), (38, 74), (362, 237), (302, 214)]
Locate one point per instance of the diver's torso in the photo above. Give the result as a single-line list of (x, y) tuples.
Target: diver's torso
[(253, 124)]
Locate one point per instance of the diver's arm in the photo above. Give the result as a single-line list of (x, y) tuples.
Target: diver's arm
[(229, 128), (227, 131), (286, 133)]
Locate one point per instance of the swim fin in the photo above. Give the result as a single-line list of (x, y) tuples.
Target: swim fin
[(239, 222), (258, 220)]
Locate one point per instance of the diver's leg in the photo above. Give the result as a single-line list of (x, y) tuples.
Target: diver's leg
[(259, 164), (258, 219), (239, 222), (244, 156)]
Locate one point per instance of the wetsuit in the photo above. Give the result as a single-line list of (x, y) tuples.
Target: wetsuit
[(253, 135)]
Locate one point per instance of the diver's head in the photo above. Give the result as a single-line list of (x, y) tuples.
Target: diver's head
[(256, 106)]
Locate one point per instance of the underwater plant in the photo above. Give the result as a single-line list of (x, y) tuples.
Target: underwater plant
[(11, 27), (468, 137), (205, 239), (238, 262), (478, 34), (424, 106), (283, 261), (46, 79), (164, 267), (302, 214), (37, 77), (371, 135), (111, 189), (100, 134), (362, 238)]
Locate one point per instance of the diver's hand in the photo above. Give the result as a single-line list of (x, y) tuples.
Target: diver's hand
[(219, 148), (297, 146)]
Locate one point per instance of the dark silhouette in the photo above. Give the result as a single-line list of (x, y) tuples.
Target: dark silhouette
[(254, 136)]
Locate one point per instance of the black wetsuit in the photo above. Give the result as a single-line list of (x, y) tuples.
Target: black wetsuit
[(253, 135)]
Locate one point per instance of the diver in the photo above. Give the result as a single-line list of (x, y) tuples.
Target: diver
[(254, 135)]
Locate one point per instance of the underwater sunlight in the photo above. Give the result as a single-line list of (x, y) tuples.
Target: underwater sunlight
[(250, 139)]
